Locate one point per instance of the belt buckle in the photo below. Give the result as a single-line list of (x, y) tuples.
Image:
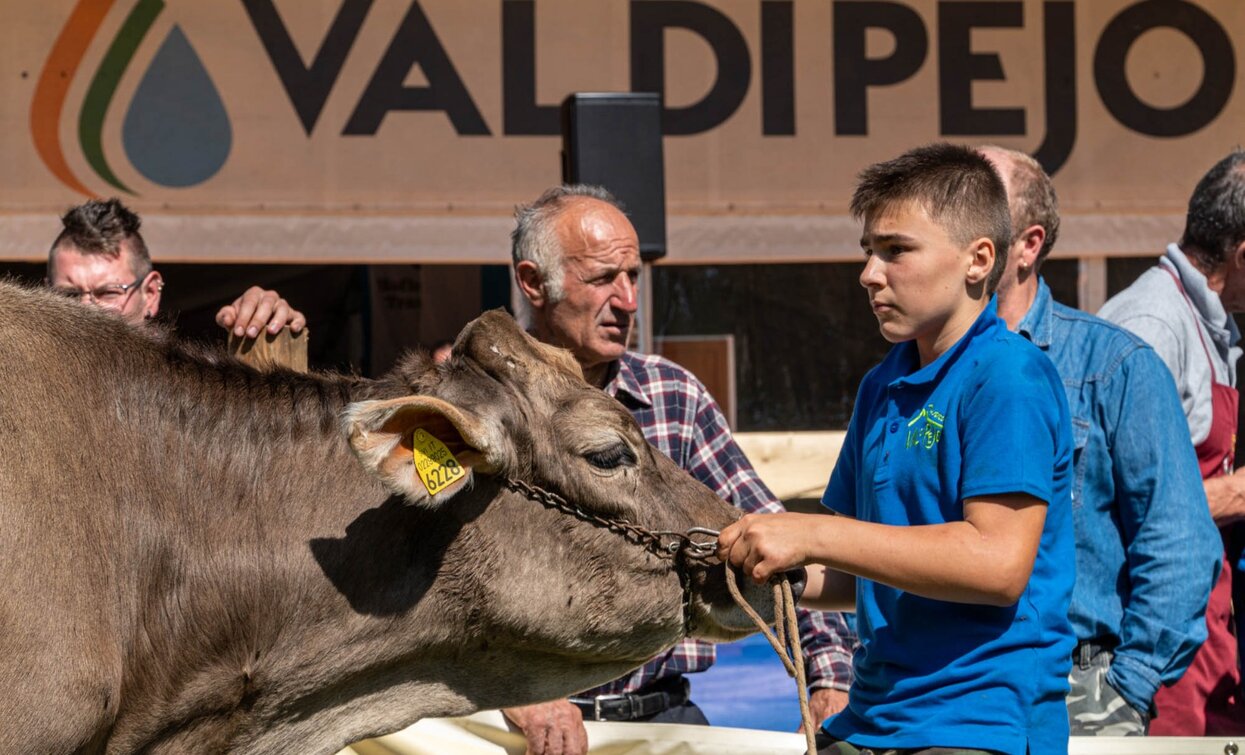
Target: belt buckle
[(596, 704)]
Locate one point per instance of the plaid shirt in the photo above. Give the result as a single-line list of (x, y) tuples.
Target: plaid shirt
[(682, 420)]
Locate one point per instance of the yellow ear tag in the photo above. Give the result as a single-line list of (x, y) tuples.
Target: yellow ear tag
[(435, 465)]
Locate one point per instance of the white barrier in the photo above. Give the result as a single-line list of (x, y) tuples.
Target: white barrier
[(1154, 745), (486, 733), (793, 464)]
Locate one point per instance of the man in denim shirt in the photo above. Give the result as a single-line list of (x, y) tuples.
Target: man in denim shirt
[(1145, 555)]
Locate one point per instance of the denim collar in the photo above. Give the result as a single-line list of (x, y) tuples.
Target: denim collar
[(1037, 324), (908, 354), (624, 384), (1220, 326)]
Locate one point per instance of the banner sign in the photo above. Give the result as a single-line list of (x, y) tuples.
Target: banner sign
[(396, 117)]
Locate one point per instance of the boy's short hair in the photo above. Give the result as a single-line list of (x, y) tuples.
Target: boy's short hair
[(958, 187)]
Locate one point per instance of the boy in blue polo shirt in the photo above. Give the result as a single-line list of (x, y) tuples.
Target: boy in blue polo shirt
[(954, 537)]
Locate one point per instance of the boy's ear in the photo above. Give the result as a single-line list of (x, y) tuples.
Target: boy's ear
[(981, 263)]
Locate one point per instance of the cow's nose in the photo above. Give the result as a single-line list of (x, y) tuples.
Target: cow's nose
[(798, 579)]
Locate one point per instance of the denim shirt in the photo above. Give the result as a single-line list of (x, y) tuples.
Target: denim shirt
[(1147, 551)]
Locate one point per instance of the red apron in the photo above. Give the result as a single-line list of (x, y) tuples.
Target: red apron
[(1206, 701)]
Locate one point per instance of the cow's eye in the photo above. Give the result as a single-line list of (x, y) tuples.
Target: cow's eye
[(611, 458)]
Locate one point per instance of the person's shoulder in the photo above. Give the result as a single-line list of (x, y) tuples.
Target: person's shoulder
[(654, 363), (1010, 366), (1004, 343), (1011, 355), (649, 368), (886, 371), (1152, 289), (1081, 327), (1153, 309), (1090, 347)]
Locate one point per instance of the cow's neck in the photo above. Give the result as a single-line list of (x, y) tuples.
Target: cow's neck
[(307, 606), (280, 573)]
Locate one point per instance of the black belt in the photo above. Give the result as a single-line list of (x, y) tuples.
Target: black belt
[(647, 701)]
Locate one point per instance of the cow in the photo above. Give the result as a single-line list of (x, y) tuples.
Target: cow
[(201, 557)]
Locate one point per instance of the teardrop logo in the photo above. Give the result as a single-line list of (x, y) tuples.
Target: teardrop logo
[(175, 131)]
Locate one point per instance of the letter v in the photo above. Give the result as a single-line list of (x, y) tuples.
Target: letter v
[(308, 87)]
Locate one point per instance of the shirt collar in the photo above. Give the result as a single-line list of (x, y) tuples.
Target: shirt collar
[(985, 323), (1221, 327), (1037, 324), (623, 382)]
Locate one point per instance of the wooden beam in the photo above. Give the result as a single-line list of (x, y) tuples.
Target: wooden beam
[(1091, 284)]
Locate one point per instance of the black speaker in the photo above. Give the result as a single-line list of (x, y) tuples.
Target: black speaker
[(613, 139)]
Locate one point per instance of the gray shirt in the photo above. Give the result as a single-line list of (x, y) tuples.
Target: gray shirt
[(1153, 308)]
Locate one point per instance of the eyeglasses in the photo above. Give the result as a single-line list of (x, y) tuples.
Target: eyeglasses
[(107, 295)]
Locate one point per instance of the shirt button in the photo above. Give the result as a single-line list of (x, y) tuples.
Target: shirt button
[(894, 426)]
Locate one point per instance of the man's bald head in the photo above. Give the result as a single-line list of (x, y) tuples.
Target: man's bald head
[(1030, 194)]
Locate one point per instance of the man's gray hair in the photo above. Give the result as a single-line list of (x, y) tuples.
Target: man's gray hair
[(535, 239)]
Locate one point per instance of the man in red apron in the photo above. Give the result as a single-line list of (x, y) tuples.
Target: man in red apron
[(1182, 307)]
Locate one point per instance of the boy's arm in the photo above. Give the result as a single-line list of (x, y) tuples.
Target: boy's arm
[(828, 589), (985, 559)]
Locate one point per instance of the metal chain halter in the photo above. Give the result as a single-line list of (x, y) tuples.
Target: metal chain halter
[(678, 547), (681, 549)]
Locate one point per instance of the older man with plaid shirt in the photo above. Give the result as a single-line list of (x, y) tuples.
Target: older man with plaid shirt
[(576, 261)]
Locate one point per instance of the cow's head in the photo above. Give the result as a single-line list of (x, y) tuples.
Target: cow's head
[(508, 407)]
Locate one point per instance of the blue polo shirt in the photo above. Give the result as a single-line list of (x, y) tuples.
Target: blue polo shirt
[(988, 417)]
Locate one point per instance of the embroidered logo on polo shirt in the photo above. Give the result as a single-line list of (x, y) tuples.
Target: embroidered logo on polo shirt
[(925, 429)]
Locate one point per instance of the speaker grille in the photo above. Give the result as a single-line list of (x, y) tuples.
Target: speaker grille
[(613, 139)]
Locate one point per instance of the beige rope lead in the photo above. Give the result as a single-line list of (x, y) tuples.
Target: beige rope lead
[(786, 642)]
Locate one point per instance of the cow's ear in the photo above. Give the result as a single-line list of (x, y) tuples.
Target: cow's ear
[(421, 447)]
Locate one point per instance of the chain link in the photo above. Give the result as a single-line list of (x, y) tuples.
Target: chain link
[(678, 547), (665, 543)]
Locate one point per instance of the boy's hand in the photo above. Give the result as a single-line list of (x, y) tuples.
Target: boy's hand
[(762, 545)]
